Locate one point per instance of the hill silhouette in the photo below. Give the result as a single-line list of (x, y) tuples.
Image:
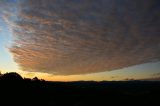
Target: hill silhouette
[(18, 91), (11, 77)]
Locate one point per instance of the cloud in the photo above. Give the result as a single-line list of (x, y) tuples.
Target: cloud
[(155, 74), (85, 36), (151, 79), (130, 79)]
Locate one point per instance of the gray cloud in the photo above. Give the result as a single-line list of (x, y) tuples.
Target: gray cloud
[(155, 74), (151, 79), (85, 36)]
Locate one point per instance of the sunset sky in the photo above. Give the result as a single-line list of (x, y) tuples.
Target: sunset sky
[(72, 40)]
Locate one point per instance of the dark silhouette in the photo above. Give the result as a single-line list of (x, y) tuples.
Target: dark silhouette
[(11, 77), (34, 92)]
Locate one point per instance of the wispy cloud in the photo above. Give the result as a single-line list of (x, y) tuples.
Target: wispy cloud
[(151, 79), (155, 74), (79, 37)]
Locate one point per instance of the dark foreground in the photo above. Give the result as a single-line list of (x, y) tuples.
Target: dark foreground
[(15, 91)]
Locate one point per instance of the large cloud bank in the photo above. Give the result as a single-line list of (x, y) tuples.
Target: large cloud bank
[(66, 37)]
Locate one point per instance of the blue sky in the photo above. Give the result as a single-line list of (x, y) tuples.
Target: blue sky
[(6, 60)]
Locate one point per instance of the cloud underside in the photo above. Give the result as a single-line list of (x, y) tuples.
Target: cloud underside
[(85, 36)]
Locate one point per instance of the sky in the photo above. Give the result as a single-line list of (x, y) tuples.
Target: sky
[(81, 40)]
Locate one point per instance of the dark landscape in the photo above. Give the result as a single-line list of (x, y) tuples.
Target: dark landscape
[(16, 90)]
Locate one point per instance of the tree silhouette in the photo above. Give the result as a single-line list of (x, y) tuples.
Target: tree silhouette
[(35, 79)]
